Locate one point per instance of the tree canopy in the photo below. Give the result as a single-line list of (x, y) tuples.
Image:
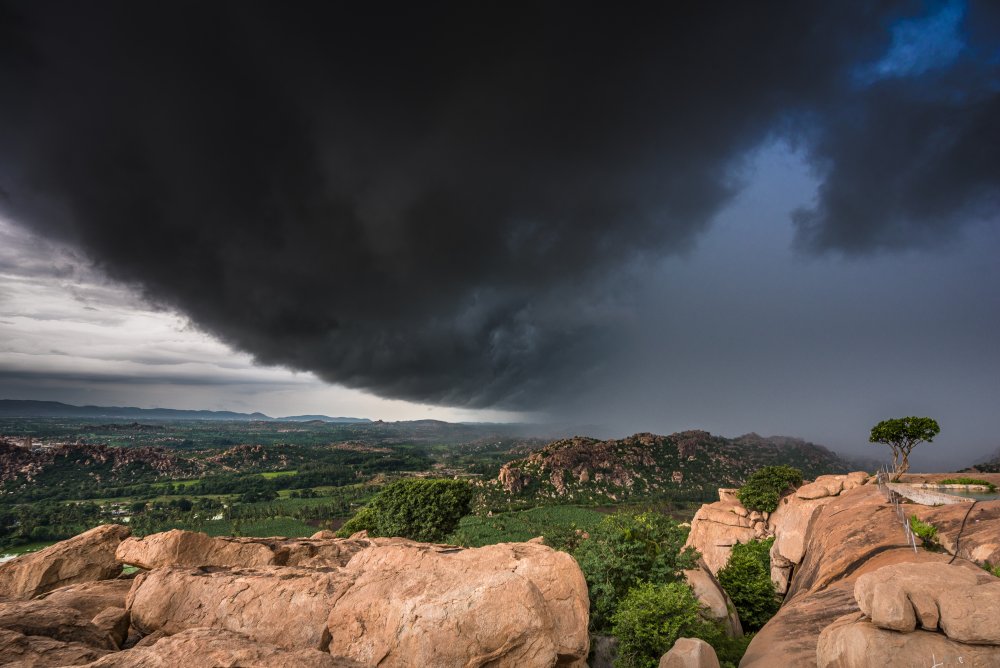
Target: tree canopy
[(423, 510), (902, 435)]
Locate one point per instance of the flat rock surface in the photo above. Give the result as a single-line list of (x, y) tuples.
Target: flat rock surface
[(218, 648), (90, 598), (18, 650), (852, 642)]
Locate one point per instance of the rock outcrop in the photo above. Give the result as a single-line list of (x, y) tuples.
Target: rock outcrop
[(317, 602), (690, 653), (718, 526), (859, 594), (84, 558)]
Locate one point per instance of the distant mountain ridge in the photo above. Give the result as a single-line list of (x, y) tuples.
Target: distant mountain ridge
[(56, 409)]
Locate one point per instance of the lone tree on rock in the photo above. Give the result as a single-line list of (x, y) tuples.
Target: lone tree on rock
[(902, 435)]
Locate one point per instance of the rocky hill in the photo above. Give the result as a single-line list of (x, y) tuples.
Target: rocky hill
[(44, 464), (687, 465)]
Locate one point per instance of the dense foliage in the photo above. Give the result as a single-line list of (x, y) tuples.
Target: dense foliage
[(627, 549), (902, 435), (924, 531), (764, 489), (747, 580), (423, 510), (651, 617)]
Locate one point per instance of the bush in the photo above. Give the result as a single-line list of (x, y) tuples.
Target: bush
[(747, 580), (652, 617), (767, 485), (424, 510), (626, 549), (926, 532)]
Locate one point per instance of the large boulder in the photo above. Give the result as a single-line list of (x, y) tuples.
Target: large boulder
[(901, 596), (218, 648), (90, 598), (18, 650), (853, 642), (715, 602), (690, 653), (282, 606), (716, 527), (508, 604), (84, 558)]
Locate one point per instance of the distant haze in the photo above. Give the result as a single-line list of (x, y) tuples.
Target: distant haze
[(780, 221)]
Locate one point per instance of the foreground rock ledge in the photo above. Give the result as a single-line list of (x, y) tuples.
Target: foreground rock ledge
[(320, 601)]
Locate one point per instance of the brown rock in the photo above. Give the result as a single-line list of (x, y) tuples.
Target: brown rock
[(283, 606), (22, 651), (508, 604), (90, 598), (180, 548), (789, 639), (39, 618), (715, 601), (114, 622), (84, 558), (970, 614), (885, 595), (217, 648), (690, 653), (188, 549), (850, 642), (151, 639), (716, 527), (980, 537)]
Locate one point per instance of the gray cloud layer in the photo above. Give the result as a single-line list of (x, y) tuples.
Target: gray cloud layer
[(437, 202)]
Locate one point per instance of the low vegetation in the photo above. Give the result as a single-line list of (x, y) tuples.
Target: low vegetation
[(765, 487), (926, 532), (968, 481), (747, 580), (562, 527)]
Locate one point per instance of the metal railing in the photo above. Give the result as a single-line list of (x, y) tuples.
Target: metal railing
[(883, 476)]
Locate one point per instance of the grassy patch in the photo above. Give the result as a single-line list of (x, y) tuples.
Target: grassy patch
[(968, 481), (277, 474), (558, 524)]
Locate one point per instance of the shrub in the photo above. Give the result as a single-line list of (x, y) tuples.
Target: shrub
[(626, 549), (424, 510), (924, 531), (992, 570), (651, 617), (747, 580), (767, 485)]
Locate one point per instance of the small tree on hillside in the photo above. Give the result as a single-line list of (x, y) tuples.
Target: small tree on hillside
[(902, 435)]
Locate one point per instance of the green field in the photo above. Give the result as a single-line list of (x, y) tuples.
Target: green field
[(558, 524)]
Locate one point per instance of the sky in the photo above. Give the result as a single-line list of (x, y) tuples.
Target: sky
[(643, 218)]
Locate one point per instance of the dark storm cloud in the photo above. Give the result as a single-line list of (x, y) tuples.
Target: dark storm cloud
[(433, 202)]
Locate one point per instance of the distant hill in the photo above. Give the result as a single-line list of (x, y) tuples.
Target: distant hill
[(322, 418), (689, 465), (28, 408)]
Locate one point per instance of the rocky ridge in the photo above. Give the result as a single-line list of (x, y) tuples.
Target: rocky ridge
[(691, 463)]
